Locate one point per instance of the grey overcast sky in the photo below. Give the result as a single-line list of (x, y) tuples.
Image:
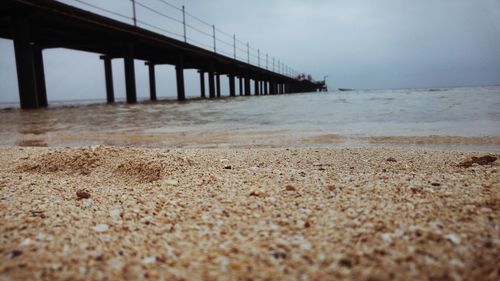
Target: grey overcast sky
[(361, 44)]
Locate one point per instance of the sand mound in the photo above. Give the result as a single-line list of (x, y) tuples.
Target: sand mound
[(127, 165), (79, 161), (142, 170)]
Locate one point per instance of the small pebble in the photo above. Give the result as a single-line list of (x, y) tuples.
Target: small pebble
[(170, 182), (83, 194), (290, 188), (391, 159), (255, 193), (435, 184), (16, 253), (115, 214), (101, 228), (149, 260), (455, 239), (227, 167)]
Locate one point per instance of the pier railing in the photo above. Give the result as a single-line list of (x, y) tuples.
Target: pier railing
[(177, 22)]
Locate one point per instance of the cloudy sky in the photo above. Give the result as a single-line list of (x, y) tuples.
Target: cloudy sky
[(358, 43)]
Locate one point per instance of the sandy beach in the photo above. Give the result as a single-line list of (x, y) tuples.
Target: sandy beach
[(122, 213)]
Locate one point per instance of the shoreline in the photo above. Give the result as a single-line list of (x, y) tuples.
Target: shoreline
[(277, 213), (247, 139)]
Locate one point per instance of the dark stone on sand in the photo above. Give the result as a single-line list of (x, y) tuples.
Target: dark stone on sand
[(83, 194), (483, 160), (391, 159), (16, 253)]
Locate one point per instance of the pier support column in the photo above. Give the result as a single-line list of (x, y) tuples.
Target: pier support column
[(25, 65), (179, 71), (202, 83), (218, 84), (232, 90), (130, 74), (247, 86), (108, 76), (256, 87), (241, 85), (265, 87), (41, 89), (152, 81), (211, 83)]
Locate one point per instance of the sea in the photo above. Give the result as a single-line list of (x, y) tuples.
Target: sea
[(464, 118)]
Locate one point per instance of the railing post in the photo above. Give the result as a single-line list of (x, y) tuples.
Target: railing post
[(267, 60), (258, 57), (133, 12), (215, 45), (248, 52), (234, 45), (273, 64), (184, 22)]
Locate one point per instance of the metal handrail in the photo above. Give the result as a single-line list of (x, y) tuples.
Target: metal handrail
[(239, 50)]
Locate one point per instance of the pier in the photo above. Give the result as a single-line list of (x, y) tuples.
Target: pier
[(43, 24)]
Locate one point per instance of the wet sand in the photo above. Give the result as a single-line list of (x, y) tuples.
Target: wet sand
[(243, 139), (119, 213)]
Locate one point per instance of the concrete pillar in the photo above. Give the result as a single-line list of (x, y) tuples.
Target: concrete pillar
[(232, 90), (108, 76), (241, 85), (265, 87), (211, 83), (152, 81), (247, 86), (202, 83), (179, 71), (130, 74), (25, 64), (256, 87), (218, 84), (41, 89)]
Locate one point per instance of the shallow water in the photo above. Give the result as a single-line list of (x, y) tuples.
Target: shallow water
[(344, 117)]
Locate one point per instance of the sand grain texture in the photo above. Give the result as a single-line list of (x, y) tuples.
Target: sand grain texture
[(275, 214)]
